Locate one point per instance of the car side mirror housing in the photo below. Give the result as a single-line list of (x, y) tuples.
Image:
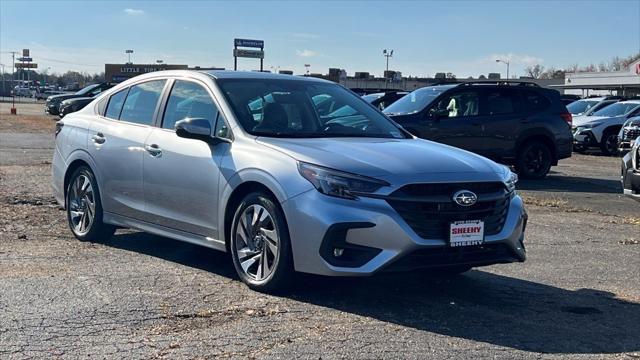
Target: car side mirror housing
[(198, 129), (437, 114)]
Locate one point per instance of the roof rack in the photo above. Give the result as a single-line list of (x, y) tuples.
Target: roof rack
[(500, 82)]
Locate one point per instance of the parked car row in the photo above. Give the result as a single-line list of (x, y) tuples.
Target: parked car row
[(54, 103), (602, 128), (631, 170)]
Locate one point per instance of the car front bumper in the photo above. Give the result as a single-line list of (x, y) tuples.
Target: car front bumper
[(376, 238), (51, 108), (630, 177), (584, 139)]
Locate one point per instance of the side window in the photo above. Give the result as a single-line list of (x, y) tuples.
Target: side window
[(460, 104), (141, 102), (115, 104), (534, 101), (188, 100), (501, 102)]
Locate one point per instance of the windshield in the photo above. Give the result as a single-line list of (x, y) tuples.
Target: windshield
[(303, 109), (87, 89), (581, 106), (372, 97), (616, 109), (414, 102)]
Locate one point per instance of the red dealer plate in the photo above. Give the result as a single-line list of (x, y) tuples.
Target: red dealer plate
[(466, 233)]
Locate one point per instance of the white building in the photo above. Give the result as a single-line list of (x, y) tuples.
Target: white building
[(626, 82)]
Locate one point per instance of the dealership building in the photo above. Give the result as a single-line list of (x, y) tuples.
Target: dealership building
[(115, 73), (625, 82)]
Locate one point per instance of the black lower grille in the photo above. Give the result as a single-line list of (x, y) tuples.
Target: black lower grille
[(429, 208), (629, 134), (446, 256)]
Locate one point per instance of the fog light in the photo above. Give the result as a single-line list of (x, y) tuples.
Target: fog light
[(337, 252)]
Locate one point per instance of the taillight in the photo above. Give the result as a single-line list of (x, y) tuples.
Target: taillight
[(567, 117)]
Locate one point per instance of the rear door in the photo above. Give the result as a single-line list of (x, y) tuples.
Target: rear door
[(502, 115), (116, 142)]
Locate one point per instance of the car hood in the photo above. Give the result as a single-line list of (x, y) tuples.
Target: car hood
[(61, 97), (583, 120), (383, 157), (78, 100)]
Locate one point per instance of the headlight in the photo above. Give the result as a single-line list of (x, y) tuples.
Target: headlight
[(338, 183), (511, 181), (590, 125)]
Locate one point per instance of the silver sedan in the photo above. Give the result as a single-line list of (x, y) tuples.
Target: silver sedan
[(285, 173)]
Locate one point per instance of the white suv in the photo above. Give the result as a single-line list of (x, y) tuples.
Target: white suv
[(602, 127)]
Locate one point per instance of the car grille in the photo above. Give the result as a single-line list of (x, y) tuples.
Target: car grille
[(429, 208), (630, 133), (447, 256)]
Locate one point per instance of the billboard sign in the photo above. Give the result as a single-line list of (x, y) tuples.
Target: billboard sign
[(249, 43), (25, 52), (254, 54), (28, 65)]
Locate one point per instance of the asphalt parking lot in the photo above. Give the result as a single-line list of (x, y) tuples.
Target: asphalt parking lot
[(143, 296)]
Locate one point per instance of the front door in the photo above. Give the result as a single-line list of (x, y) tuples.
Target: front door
[(455, 120), (181, 175)]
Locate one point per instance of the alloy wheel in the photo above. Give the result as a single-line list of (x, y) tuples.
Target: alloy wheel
[(82, 205), (257, 242)]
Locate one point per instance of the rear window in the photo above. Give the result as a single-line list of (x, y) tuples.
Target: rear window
[(115, 104), (141, 102), (534, 101)]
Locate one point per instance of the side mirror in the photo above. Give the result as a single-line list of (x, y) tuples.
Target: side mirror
[(194, 128), (437, 114)]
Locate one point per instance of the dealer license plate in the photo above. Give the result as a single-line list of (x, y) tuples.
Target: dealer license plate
[(466, 233)]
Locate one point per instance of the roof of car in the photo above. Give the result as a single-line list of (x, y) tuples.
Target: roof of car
[(630, 102), (228, 74)]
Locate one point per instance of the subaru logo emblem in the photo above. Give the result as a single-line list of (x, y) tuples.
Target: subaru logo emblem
[(465, 198)]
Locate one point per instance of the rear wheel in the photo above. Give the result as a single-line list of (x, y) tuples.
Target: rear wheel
[(534, 160), (609, 143), (260, 244), (84, 208)]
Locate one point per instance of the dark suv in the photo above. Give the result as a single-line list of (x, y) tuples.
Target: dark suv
[(519, 124)]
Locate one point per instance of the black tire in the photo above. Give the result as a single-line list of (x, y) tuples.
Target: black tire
[(581, 149), (534, 160), (281, 275), (609, 143), (97, 231)]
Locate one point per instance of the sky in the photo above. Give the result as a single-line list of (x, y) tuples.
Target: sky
[(462, 37)]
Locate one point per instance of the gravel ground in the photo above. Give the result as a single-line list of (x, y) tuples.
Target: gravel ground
[(143, 296)]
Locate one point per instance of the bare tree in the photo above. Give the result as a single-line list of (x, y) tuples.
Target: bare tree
[(534, 71)]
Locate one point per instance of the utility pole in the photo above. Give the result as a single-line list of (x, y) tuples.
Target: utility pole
[(387, 54), (13, 80)]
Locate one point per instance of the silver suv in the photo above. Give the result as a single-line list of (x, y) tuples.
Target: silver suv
[(285, 173)]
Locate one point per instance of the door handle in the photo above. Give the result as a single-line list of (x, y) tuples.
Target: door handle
[(98, 138), (153, 150)]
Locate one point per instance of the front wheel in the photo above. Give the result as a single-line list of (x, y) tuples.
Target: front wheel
[(84, 208), (534, 160), (609, 143), (260, 244)]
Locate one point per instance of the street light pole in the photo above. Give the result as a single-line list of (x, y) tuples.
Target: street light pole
[(387, 54), (505, 62), (129, 52)]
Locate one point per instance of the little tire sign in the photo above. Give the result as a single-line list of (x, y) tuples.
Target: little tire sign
[(244, 53)]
